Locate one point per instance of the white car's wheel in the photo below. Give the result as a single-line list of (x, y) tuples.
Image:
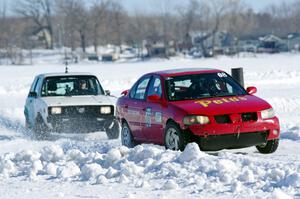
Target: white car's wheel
[(40, 128), (126, 136), (113, 131)]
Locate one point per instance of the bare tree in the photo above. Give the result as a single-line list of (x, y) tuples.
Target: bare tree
[(188, 16), (166, 24), (218, 8), (136, 31), (82, 22), (97, 18), (117, 20), (238, 21), (3, 24), (75, 21), (40, 12)]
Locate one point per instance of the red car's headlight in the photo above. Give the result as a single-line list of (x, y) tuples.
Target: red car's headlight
[(195, 119), (268, 113)]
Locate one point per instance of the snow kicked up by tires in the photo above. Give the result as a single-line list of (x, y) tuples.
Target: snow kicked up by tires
[(155, 168)]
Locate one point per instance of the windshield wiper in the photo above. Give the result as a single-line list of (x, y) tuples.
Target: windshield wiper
[(226, 95), (68, 95)]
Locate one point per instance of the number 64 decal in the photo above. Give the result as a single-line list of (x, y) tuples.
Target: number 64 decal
[(222, 74)]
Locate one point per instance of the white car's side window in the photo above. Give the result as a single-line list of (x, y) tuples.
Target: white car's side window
[(37, 85), (33, 85)]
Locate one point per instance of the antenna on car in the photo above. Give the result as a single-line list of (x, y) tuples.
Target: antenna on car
[(67, 69), (66, 62)]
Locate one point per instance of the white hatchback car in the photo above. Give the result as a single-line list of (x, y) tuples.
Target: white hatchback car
[(70, 102)]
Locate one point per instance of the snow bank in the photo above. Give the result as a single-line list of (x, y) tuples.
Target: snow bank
[(145, 165)]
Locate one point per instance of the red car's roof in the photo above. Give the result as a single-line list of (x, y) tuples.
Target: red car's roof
[(185, 71)]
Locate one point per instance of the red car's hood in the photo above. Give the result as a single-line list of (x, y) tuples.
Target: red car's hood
[(222, 105)]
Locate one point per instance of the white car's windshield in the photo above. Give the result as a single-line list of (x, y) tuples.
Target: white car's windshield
[(199, 86), (71, 86)]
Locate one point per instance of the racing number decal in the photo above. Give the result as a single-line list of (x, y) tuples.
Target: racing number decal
[(148, 117), (222, 74)]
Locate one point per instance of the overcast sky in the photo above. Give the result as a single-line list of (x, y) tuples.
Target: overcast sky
[(152, 5)]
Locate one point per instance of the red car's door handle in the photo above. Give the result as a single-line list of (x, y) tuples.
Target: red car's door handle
[(126, 106)]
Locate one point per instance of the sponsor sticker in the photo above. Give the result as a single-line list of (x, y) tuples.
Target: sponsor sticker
[(207, 103), (132, 112), (148, 117), (158, 117)]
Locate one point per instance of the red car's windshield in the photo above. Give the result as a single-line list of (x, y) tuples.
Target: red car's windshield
[(199, 86)]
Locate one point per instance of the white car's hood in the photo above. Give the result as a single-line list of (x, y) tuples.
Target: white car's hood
[(89, 100)]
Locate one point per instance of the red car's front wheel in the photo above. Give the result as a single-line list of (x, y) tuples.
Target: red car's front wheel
[(174, 138), (270, 147)]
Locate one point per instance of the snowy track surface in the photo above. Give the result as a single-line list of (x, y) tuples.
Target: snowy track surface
[(90, 166)]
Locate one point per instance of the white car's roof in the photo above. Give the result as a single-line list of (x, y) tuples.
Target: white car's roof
[(65, 74)]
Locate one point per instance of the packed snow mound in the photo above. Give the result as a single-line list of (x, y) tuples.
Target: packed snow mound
[(144, 165), (191, 152)]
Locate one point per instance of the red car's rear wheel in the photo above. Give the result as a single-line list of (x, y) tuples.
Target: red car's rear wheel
[(126, 136)]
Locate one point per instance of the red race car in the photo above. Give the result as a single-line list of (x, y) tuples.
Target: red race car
[(207, 106)]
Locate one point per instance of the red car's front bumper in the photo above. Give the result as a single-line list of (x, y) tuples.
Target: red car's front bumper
[(215, 136)]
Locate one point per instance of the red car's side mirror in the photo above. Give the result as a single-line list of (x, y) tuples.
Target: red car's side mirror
[(251, 90), (125, 92), (154, 98)]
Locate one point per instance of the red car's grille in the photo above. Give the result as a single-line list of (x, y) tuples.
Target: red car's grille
[(223, 119), (233, 118), (247, 117)]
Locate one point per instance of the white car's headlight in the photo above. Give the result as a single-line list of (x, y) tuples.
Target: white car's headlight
[(267, 114), (195, 119), (105, 110), (56, 110)]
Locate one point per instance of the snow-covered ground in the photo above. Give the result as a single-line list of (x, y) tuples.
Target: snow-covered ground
[(90, 166)]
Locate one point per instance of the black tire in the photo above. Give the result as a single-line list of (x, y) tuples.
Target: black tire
[(127, 137), (114, 131), (270, 147), (175, 138), (40, 129)]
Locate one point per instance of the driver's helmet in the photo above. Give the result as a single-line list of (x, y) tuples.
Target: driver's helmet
[(217, 85), (171, 87)]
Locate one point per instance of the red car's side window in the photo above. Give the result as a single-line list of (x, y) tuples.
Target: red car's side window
[(140, 89), (155, 87)]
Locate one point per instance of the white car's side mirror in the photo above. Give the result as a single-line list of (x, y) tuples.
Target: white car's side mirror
[(107, 92), (32, 94)]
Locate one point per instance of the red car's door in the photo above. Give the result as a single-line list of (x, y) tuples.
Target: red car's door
[(152, 124), (136, 107)]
